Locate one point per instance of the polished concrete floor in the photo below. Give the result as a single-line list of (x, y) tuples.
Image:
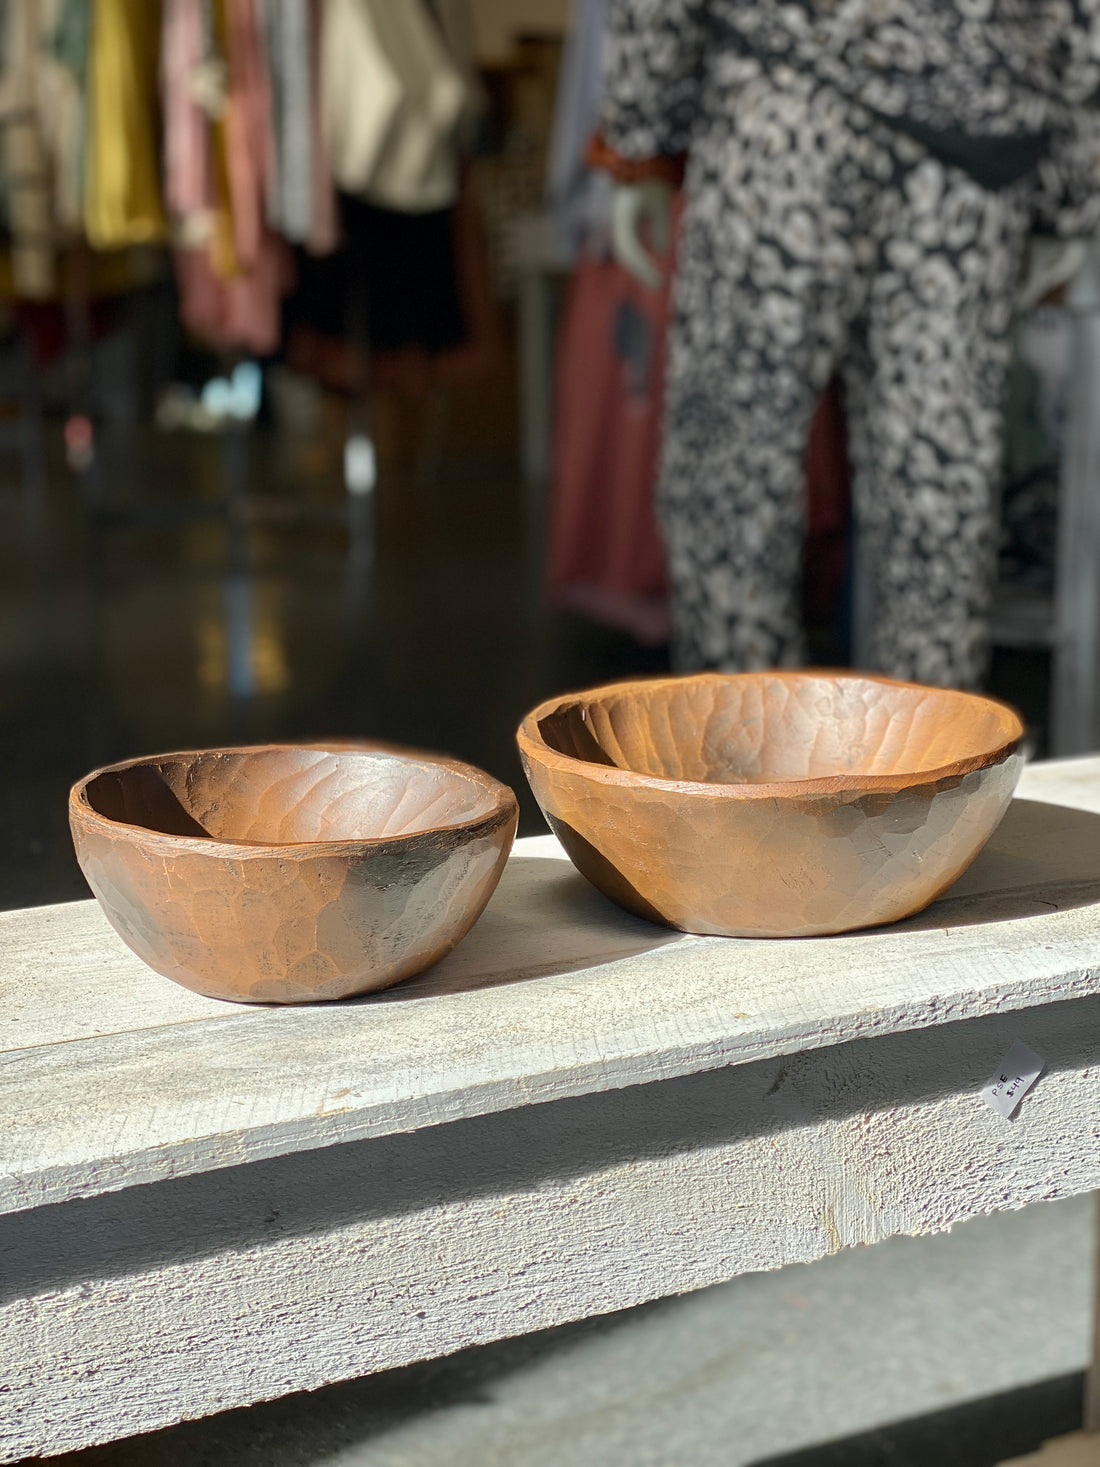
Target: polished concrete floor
[(137, 614)]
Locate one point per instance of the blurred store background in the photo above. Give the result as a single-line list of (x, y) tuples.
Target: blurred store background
[(278, 494), (307, 435)]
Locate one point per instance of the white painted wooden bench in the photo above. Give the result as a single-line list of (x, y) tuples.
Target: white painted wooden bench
[(203, 1205)]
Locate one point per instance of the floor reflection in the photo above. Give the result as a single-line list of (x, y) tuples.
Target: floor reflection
[(203, 591)]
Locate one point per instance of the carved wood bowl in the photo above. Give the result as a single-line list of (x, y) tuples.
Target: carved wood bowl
[(285, 874), (772, 804)]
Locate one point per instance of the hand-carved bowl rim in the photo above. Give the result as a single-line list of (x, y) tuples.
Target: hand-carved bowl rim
[(533, 745), (503, 806)]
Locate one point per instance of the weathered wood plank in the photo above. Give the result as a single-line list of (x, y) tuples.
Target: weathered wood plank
[(1081, 1449), (128, 1311), (64, 975), (123, 1078), (1092, 1374), (1073, 782), (710, 1107)]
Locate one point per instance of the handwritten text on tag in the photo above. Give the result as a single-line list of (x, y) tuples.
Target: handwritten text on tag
[(1013, 1078)]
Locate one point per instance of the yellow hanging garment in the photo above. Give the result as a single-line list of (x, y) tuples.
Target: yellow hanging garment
[(223, 249), (122, 198)]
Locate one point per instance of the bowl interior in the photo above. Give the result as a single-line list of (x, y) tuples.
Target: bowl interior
[(767, 727), (283, 796)]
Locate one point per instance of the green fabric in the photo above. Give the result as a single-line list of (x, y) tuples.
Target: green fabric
[(72, 36)]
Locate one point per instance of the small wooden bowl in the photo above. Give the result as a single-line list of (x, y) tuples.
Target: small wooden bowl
[(284, 874), (772, 804)]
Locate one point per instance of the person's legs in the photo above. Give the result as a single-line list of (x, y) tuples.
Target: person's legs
[(770, 268), (925, 379)]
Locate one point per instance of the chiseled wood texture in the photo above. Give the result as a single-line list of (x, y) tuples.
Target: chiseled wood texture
[(572, 1113), (286, 875), (772, 804)]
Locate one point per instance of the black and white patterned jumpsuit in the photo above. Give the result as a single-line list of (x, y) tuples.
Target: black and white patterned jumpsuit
[(826, 226)]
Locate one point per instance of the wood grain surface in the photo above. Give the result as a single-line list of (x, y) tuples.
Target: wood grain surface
[(772, 804), (128, 1311)]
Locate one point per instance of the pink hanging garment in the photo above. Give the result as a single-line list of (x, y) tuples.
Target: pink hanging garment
[(247, 130), (243, 309), (238, 314), (607, 560), (187, 182)]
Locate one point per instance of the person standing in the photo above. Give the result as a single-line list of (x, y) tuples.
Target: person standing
[(862, 177)]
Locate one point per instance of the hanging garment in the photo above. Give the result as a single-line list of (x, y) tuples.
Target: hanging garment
[(248, 126), (194, 97), (413, 288), (324, 229), (238, 314), (606, 556), (26, 164), (287, 29), (417, 167), (407, 266), (188, 185), (397, 272), (233, 298), (122, 200), (456, 27), (578, 197), (61, 74), (360, 92), (301, 200)]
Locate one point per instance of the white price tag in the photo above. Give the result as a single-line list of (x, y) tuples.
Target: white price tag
[(1013, 1078)]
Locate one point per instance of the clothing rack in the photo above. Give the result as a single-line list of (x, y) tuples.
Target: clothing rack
[(222, 129)]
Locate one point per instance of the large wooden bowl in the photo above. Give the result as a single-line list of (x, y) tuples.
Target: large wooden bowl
[(288, 874), (773, 804)]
